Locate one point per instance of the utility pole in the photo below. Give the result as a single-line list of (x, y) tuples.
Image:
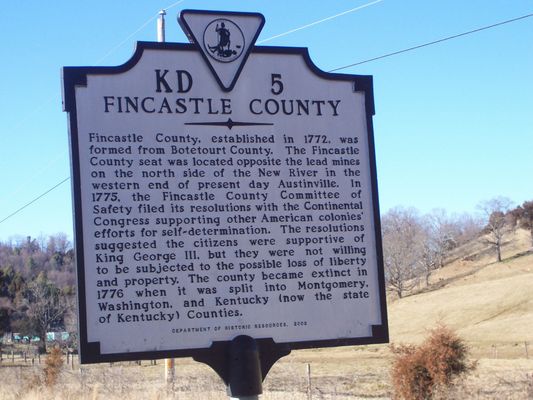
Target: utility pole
[(161, 26)]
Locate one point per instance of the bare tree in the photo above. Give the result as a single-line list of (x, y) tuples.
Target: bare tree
[(6, 308), (45, 306), (430, 258), (442, 235), (467, 228), (58, 243), (495, 213), (402, 249)]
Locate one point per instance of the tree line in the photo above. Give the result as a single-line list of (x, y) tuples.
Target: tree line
[(37, 287), (415, 245)]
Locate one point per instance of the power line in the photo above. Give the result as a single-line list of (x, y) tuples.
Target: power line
[(135, 32), (333, 70), (173, 5), (320, 21), (51, 98), (434, 42), (126, 39), (35, 199), (37, 174)]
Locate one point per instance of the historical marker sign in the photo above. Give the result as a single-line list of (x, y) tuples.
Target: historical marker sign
[(223, 189)]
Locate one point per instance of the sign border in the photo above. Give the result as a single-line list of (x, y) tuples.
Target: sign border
[(73, 77)]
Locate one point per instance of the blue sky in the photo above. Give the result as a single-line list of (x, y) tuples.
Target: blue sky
[(453, 123)]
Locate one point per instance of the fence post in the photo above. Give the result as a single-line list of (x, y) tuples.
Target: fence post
[(527, 352), (82, 379), (170, 373), (309, 388)]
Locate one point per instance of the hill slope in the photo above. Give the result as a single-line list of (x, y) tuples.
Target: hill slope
[(489, 304)]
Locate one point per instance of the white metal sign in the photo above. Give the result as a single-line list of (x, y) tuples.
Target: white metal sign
[(223, 189)]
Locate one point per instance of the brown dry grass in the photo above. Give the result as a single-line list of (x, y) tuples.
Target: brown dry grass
[(346, 373), (490, 306)]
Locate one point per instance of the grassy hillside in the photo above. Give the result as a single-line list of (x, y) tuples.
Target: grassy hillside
[(489, 304)]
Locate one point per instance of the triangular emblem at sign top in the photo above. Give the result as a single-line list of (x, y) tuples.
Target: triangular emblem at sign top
[(225, 40)]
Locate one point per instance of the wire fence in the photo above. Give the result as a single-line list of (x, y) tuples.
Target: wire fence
[(30, 355)]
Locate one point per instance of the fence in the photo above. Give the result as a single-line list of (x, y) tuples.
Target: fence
[(30, 356)]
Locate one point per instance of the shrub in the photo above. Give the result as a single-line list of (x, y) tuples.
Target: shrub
[(53, 364), (437, 363)]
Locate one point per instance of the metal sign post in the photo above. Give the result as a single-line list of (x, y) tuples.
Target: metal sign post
[(245, 377), (226, 205)]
